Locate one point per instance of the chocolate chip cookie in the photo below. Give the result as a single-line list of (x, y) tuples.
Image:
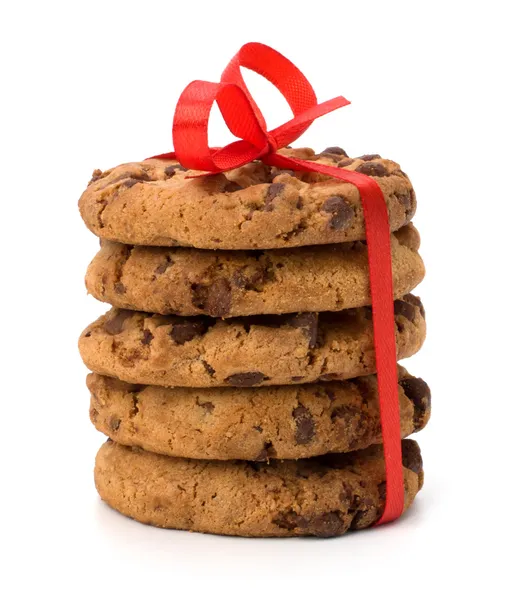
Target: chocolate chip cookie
[(243, 351), (154, 203), (325, 496), (186, 281), (285, 422)]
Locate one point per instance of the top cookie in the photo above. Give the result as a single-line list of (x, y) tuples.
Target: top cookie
[(152, 203)]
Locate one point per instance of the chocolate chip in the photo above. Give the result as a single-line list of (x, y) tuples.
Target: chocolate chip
[(411, 456), (239, 279), (119, 288), (214, 299), (345, 162), (405, 309), (247, 379), (330, 395), (262, 456), (147, 337), (335, 150), (321, 525), (248, 279), (211, 371), (365, 513), (129, 183), (265, 453), (287, 520), (160, 269), (369, 156), (308, 323), (207, 406), (342, 212), (130, 178), (373, 169), (218, 302), (327, 525), (232, 186), (169, 172), (333, 203), (418, 392), (405, 200), (186, 330), (116, 323), (273, 191), (408, 202), (416, 301), (298, 378), (304, 424), (367, 312), (114, 423)]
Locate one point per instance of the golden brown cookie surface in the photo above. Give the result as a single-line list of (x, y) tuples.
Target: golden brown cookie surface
[(243, 352), (254, 207), (284, 422), (186, 281), (324, 497)]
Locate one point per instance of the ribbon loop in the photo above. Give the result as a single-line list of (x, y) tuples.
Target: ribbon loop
[(190, 126), (277, 69), (241, 113)]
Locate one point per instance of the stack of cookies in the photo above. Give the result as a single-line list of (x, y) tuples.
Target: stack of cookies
[(235, 373)]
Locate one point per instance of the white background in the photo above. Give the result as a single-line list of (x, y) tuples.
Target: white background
[(92, 84)]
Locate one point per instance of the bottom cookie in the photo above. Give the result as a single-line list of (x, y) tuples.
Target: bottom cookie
[(324, 496)]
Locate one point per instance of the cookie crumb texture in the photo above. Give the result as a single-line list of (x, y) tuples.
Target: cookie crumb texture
[(325, 496), (252, 207), (252, 351), (256, 424), (185, 281)]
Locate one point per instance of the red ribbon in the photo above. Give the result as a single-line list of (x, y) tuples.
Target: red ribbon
[(245, 120)]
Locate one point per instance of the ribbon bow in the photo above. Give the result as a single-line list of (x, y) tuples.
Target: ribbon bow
[(245, 120)]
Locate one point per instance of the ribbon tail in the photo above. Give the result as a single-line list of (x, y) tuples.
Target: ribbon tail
[(288, 132), (380, 275)]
